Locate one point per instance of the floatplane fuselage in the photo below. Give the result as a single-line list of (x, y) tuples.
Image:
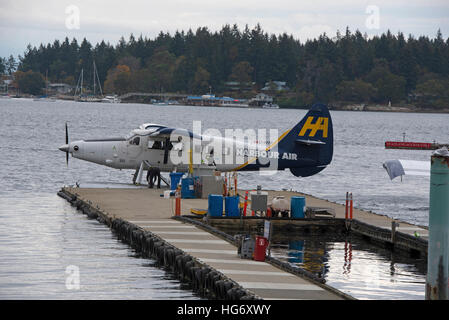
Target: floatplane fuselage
[(306, 149)]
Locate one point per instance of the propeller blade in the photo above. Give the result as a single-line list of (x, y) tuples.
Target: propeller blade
[(67, 143)]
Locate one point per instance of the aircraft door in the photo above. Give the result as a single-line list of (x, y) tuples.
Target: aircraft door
[(155, 150), (134, 148)]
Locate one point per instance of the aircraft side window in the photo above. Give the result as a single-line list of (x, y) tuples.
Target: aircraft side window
[(157, 145), (165, 144), (135, 141)]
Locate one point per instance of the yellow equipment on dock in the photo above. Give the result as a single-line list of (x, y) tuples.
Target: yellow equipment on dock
[(199, 212)]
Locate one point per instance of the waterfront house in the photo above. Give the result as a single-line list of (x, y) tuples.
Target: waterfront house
[(275, 86), (60, 88)]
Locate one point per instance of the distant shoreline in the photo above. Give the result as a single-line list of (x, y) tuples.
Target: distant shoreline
[(346, 107), (386, 108), (376, 108)]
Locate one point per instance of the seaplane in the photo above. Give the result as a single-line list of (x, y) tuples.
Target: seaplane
[(306, 149)]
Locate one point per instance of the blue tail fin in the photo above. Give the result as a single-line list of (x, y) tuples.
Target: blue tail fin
[(312, 139)]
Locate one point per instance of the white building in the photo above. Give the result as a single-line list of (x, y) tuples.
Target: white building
[(62, 88), (261, 99), (275, 86)]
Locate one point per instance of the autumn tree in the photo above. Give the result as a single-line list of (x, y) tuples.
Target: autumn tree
[(118, 80), (29, 82)]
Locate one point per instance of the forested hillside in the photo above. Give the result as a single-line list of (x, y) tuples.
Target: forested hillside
[(348, 68)]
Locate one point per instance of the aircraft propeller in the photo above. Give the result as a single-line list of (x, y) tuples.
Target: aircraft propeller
[(65, 147), (67, 143)]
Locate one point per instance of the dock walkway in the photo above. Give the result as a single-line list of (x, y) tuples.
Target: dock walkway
[(150, 212), (261, 278)]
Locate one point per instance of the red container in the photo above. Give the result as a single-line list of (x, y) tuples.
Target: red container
[(260, 248), (408, 145)]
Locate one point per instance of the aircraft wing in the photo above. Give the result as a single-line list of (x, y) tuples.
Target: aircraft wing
[(396, 168), (170, 132)]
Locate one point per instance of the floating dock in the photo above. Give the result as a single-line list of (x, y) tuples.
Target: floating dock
[(414, 145), (200, 253)]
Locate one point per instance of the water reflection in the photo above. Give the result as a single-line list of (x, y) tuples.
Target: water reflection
[(348, 258), (356, 267), (296, 251), (43, 239)]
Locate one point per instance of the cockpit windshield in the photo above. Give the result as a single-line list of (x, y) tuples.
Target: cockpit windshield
[(129, 135), (135, 141), (133, 138)]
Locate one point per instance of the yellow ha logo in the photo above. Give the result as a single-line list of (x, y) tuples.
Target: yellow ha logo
[(320, 124)]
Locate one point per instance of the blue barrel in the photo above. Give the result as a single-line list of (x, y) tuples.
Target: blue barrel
[(215, 205), (232, 206), (187, 188), (174, 179), (297, 207)]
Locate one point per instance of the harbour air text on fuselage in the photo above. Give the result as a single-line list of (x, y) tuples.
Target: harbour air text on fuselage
[(305, 149)]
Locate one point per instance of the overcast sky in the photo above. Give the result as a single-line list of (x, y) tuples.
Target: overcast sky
[(34, 22)]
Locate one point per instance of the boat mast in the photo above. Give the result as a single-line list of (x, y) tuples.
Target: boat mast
[(79, 84), (98, 79), (46, 83), (94, 78)]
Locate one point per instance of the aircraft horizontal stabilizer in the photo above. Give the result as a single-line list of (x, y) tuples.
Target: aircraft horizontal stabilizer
[(309, 142)]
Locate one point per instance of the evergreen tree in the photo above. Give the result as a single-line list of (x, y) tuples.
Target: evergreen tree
[(11, 65), (386, 67), (2, 65), (242, 73)]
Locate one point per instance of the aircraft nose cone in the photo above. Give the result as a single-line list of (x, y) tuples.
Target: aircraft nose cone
[(64, 148)]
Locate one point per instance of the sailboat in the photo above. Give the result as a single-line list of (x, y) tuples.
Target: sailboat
[(85, 98), (79, 85), (269, 105), (111, 99), (162, 102)]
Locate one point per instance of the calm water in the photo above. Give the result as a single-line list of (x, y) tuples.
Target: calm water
[(357, 268), (40, 235), (42, 239)]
